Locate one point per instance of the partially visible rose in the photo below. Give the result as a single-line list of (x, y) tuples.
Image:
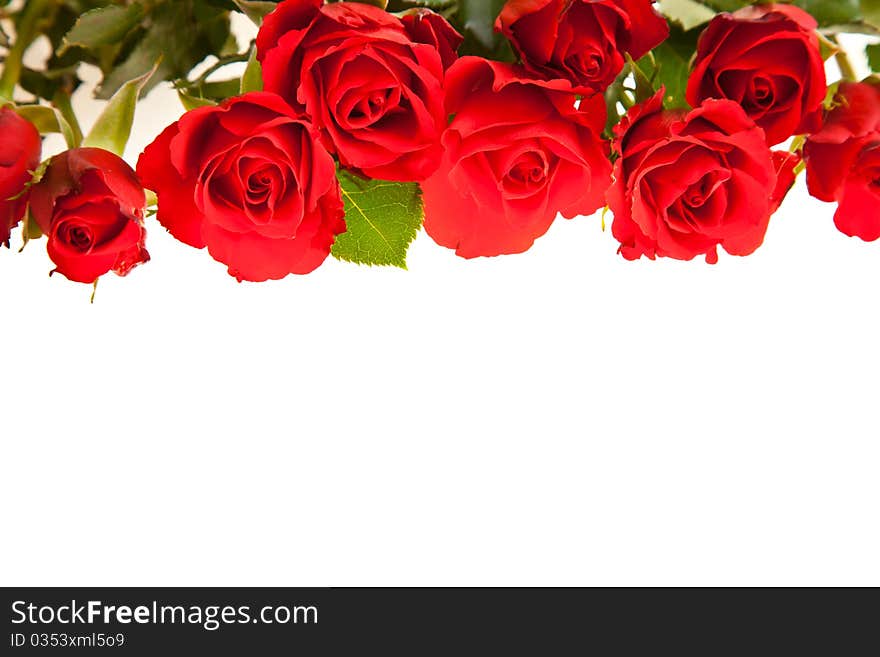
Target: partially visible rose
[(426, 26), (90, 205), (689, 182), (19, 157), (375, 94), (516, 155), (843, 160), (583, 41), (767, 59), (249, 180)]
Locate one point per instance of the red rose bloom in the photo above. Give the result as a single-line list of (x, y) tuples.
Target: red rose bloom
[(688, 182), (249, 180), (582, 41), (517, 154), (90, 204), (843, 160), (19, 157), (375, 95), (426, 26), (767, 59)]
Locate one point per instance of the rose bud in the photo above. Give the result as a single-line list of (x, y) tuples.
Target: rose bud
[(249, 180), (843, 160), (90, 205), (426, 26), (516, 155), (767, 59), (19, 157), (689, 182), (582, 41), (375, 94)]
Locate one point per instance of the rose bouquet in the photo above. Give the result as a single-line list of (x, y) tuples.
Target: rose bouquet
[(355, 124)]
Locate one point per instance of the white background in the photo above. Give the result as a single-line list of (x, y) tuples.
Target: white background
[(561, 417)]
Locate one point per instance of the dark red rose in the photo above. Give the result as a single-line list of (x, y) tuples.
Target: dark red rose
[(688, 182), (767, 59), (19, 157), (375, 95), (90, 204), (843, 160), (582, 41), (426, 26), (516, 155), (249, 180)]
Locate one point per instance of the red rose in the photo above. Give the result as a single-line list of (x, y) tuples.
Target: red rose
[(688, 182), (249, 180), (843, 160), (767, 59), (426, 26), (517, 154), (90, 204), (374, 93), (19, 157), (582, 41)]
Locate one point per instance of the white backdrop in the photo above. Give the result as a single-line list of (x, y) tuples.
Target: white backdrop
[(560, 417)]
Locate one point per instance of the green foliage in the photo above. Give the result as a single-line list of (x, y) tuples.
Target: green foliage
[(382, 220), (113, 128), (874, 57)]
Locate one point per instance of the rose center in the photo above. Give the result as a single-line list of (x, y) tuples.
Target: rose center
[(761, 91), (589, 63), (529, 169), (78, 237), (372, 106)]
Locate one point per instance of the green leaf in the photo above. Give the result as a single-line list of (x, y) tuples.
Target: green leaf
[(113, 127), (252, 80), (47, 121), (192, 102), (102, 27), (478, 18), (669, 65), (382, 220), (182, 32), (833, 12), (256, 10), (871, 12), (874, 57), (687, 13)]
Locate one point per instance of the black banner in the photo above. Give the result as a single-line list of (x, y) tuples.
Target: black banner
[(412, 622)]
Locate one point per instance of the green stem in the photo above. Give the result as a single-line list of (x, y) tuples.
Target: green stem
[(61, 100), (844, 63), (24, 37)]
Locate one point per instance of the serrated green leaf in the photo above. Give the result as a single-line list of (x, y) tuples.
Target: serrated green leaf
[(252, 80), (382, 220), (102, 26), (834, 12), (478, 18), (687, 13), (113, 127)]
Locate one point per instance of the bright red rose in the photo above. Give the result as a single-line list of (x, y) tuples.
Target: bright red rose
[(426, 26), (843, 160), (19, 157), (516, 155), (767, 59), (583, 41), (688, 182), (375, 94), (249, 180), (90, 205)]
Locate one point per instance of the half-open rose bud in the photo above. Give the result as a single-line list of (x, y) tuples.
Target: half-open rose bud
[(90, 204)]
